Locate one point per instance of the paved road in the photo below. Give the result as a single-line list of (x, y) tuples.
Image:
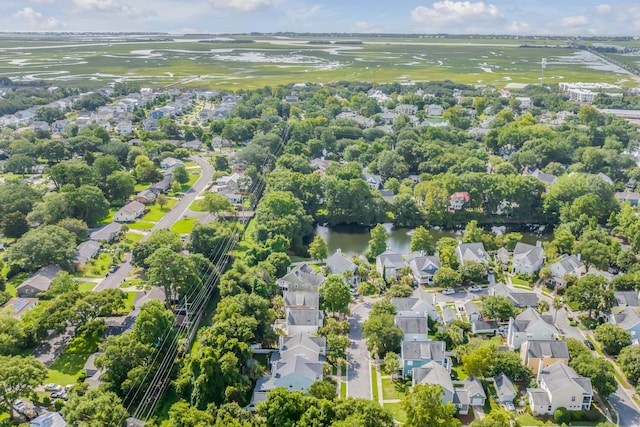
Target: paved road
[(115, 279), (358, 370)]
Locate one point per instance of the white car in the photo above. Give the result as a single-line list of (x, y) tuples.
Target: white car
[(509, 406), (448, 291), (19, 406), (52, 387), (474, 288)]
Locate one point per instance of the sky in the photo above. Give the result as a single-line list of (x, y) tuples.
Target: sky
[(543, 17)]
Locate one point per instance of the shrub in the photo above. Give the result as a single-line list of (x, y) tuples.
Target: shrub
[(577, 415), (58, 405), (562, 415)]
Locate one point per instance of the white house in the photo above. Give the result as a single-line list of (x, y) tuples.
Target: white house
[(124, 127), (529, 326), (569, 265), (525, 102), (301, 277), (303, 320), (457, 200), (340, 264), (466, 252), (505, 391), (559, 386), (170, 162), (527, 259), (389, 263), (129, 212), (435, 110), (424, 268)]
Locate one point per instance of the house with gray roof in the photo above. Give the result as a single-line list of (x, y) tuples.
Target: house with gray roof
[(504, 256), (538, 355), (85, 252), (475, 391), (107, 233), (485, 327), (519, 298), (302, 344), (568, 265), (420, 303), (129, 212), (433, 373), (294, 374), (48, 419), (629, 319), (302, 276), (529, 325), (414, 354), (505, 390), (472, 311), (163, 185), (146, 196), (389, 264), (466, 252), (631, 197), (303, 320), (39, 282), (448, 314), (527, 259), (560, 386), (374, 181), (302, 299), (424, 268), (627, 298), (337, 263), (413, 328), (545, 178)]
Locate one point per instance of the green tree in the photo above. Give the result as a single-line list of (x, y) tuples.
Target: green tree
[(325, 389), (422, 241), (446, 277), (497, 307), (19, 164), (14, 224), (42, 246), (215, 202), (392, 363), (406, 212), (424, 407), (180, 174), (381, 333), (612, 337), (480, 362), (629, 362), (210, 239), (176, 273), (154, 324), (318, 248), (19, 377), (378, 241), (283, 408), (496, 419), (18, 196), (599, 370), (63, 283), (472, 233), (94, 408), (282, 213), (12, 335), (119, 185), (105, 166), (87, 203), (335, 295), (181, 414), (76, 226), (472, 272), (590, 293)]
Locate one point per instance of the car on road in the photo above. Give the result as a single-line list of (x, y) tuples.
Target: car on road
[(474, 288), (490, 270), (354, 292), (52, 387), (113, 268), (589, 344), (448, 291)]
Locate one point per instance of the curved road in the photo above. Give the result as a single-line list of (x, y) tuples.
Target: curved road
[(115, 279)]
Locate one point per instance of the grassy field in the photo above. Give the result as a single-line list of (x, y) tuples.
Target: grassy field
[(87, 286), (262, 60), (133, 237), (393, 389), (374, 383), (68, 367), (156, 212), (184, 226), (196, 206), (397, 411), (140, 225)]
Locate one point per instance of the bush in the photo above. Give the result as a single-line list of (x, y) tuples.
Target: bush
[(578, 416), (46, 401), (58, 405), (562, 415)]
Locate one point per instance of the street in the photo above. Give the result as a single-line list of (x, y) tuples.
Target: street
[(114, 279), (358, 368)]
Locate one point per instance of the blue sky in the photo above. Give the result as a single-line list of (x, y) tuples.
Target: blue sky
[(548, 17)]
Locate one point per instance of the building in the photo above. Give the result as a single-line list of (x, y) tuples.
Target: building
[(420, 303), (146, 197), (170, 162), (424, 268), (85, 252), (527, 259), (472, 311), (163, 185), (560, 387), (107, 233), (16, 307), (301, 277), (475, 252), (629, 319), (519, 298), (457, 200), (529, 326), (433, 373), (435, 110), (293, 374), (569, 265), (39, 282), (448, 315), (413, 328), (48, 419), (545, 178), (627, 196), (505, 390), (129, 212), (389, 264), (414, 354), (301, 299), (343, 266), (538, 355)]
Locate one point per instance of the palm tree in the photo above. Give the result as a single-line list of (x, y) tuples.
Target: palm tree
[(557, 304)]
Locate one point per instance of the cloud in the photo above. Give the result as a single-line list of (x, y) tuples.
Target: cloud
[(305, 13), (241, 5), (36, 20), (449, 12), (366, 27), (106, 7), (519, 27), (41, 1), (603, 8), (574, 21)]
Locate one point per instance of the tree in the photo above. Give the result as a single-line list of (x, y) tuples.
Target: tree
[(180, 174), (12, 335), (176, 273), (19, 164), (337, 346), (105, 166), (95, 407), (181, 414), (599, 370), (392, 363), (557, 304), (496, 419), (589, 293), (381, 333), (612, 337), (87, 203), (19, 377), (406, 211), (335, 295), (63, 283), (480, 362), (154, 324), (422, 241), (446, 277), (18, 196), (318, 248), (14, 224), (282, 213), (629, 362), (497, 307), (325, 389), (472, 233), (49, 244), (162, 200), (215, 202), (378, 241), (283, 408), (509, 362), (472, 271), (119, 186), (211, 239), (76, 226), (424, 407)]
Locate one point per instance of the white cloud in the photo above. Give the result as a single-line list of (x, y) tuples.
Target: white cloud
[(455, 12), (241, 5), (519, 27), (36, 20), (603, 8), (107, 7), (41, 1), (366, 27), (574, 21), (304, 13)]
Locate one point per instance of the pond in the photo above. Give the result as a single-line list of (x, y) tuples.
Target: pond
[(355, 240)]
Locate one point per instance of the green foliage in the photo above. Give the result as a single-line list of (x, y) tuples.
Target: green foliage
[(612, 337), (629, 362), (95, 407), (424, 407), (49, 244), (422, 241), (325, 389), (334, 295), (282, 213), (378, 241), (381, 333), (497, 307), (19, 376), (562, 415), (591, 293), (180, 174), (318, 248)]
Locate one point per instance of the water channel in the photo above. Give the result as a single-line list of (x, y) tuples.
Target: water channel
[(355, 240)]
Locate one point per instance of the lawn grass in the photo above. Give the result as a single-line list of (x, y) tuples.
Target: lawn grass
[(156, 212), (140, 225), (141, 186), (96, 268), (374, 383), (68, 367), (196, 206), (518, 281), (184, 226), (129, 302), (133, 237), (343, 389), (396, 411), (192, 180), (527, 420), (87, 286), (11, 286), (392, 390)]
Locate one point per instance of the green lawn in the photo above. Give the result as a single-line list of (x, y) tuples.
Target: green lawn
[(518, 281), (96, 268), (343, 389), (192, 179), (396, 410), (196, 206), (156, 212), (392, 390), (184, 226), (13, 283), (140, 225), (87, 286), (133, 237), (141, 186), (68, 367), (374, 383), (129, 302)]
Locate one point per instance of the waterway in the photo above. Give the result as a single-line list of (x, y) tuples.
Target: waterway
[(355, 240)]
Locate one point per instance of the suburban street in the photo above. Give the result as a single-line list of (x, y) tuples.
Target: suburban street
[(358, 372), (114, 280)]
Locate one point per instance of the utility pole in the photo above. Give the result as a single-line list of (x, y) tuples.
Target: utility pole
[(543, 66)]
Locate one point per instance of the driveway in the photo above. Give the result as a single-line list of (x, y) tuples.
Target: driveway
[(115, 279), (358, 368), (49, 349)]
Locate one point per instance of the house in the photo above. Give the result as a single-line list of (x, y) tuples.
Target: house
[(48, 419), (414, 354), (525, 102), (420, 303), (124, 127), (387, 195), (559, 386), (85, 252), (293, 374), (374, 181), (107, 233), (389, 264), (475, 391), (466, 252), (413, 328), (39, 282), (170, 162), (627, 298), (301, 277), (146, 197), (406, 109), (505, 391), (424, 268), (527, 259), (304, 345), (504, 256), (472, 311), (233, 196), (448, 315), (485, 327), (387, 118), (16, 307), (545, 178), (220, 143), (291, 99), (303, 320), (150, 124), (433, 373), (627, 196), (195, 144), (129, 212), (605, 178), (118, 325), (568, 265), (629, 319), (457, 200), (435, 110), (519, 298), (163, 185), (301, 299), (529, 326), (540, 354), (343, 266), (90, 368)]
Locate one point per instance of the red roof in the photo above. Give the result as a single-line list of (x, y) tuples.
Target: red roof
[(460, 195)]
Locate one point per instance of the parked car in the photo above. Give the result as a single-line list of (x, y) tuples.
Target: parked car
[(52, 387), (490, 270), (474, 288), (59, 395), (448, 291), (589, 345), (354, 292), (113, 268), (509, 406), (68, 387), (19, 406)]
